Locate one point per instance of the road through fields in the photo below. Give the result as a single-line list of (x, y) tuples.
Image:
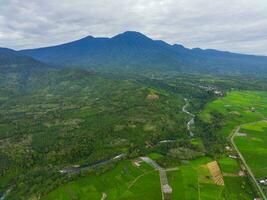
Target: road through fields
[(235, 132)]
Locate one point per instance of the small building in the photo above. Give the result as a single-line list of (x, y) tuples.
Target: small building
[(137, 162), (167, 191), (228, 148), (263, 181), (232, 156), (219, 93), (241, 173)]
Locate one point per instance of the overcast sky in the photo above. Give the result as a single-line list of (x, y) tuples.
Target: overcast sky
[(234, 25)]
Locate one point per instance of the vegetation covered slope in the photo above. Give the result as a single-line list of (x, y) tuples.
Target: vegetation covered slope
[(64, 118), (13, 61), (54, 119)]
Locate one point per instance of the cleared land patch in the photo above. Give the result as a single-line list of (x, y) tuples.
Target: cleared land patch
[(215, 171)]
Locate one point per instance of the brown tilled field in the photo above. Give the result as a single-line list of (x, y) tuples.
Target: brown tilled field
[(215, 172)]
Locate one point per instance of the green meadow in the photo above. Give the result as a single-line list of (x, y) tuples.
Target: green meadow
[(248, 109), (193, 181), (229, 165), (237, 107), (253, 146), (125, 181)]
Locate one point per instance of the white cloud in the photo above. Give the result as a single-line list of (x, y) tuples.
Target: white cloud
[(235, 25)]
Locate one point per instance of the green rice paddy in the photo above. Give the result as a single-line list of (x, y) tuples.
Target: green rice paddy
[(193, 181), (238, 107), (248, 109), (253, 146), (125, 181)]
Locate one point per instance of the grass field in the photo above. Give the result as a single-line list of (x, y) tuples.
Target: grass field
[(238, 107), (193, 181), (253, 146), (125, 181), (242, 107), (229, 165)]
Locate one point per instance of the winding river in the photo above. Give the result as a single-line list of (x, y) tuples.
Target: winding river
[(3, 195), (73, 170), (191, 122)]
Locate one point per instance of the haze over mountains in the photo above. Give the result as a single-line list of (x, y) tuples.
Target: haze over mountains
[(136, 51)]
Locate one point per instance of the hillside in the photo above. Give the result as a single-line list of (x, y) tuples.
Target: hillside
[(13, 61), (58, 119), (133, 50)]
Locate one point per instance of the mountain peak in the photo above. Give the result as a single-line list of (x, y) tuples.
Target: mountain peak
[(88, 37), (131, 35)]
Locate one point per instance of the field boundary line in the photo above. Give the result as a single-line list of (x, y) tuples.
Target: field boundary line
[(199, 198), (138, 177)]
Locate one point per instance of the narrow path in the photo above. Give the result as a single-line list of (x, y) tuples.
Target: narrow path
[(198, 188), (192, 120), (151, 162), (229, 174), (137, 178), (165, 187), (235, 132), (172, 169)]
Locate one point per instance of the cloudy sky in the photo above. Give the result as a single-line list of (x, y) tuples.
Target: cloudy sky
[(234, 25)]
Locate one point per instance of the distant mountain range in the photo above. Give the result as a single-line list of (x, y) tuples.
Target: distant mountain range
[(137, 51)]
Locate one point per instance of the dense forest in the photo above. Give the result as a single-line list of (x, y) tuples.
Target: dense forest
[(56, 119)]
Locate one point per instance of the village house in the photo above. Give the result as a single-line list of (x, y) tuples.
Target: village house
[(232, 156), (167, 191), (263, 181)]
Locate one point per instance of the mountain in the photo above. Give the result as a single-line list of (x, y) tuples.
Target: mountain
[(135, 50), (130, 49), (12, 62)]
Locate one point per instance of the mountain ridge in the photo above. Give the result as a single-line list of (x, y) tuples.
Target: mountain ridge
[(135, 50)]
